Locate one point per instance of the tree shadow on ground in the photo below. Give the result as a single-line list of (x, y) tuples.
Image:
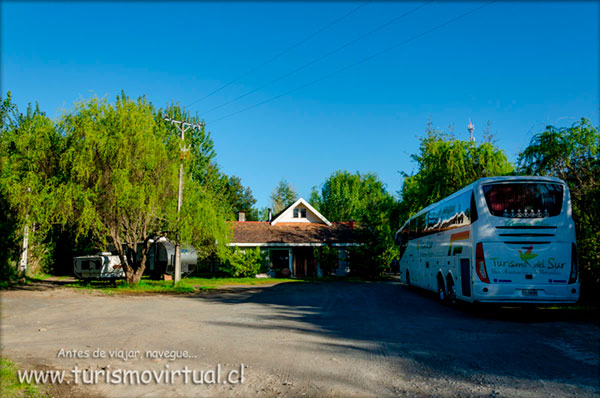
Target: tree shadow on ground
[(392, 321), (34, 284)]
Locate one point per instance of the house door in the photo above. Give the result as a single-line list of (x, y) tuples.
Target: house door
[(304, 262)]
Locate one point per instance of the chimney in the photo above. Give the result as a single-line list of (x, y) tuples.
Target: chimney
[(270, 215), (241, 216)]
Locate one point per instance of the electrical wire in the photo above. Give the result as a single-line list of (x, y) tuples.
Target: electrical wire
[(314, 61), (359, 61), (307, 38)]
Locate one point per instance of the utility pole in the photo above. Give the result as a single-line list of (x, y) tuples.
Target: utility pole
[(25, 249), (183, 126), (23, 262)]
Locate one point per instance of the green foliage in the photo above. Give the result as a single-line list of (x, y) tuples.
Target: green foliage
[(227, 192), (573, 155), (238, 197), (202, 221), (121, 176), (327, 258), (364, 199), (445, 165), (282, 196), (30, 148), (243, 262), (122, 164)]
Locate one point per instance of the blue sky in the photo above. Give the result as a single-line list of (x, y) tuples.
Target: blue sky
[(521, 66)]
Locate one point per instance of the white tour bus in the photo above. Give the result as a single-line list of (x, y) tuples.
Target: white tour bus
[(499, 239)]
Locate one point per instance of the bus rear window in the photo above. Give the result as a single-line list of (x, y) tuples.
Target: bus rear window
[(524, 200)]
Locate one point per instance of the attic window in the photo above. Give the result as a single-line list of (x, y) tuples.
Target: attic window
[(295, 213), (303, 213)]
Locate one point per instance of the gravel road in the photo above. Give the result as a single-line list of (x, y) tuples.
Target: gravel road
[(306, 339)]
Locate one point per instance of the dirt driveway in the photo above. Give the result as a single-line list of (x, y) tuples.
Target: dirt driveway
[(306, 339)]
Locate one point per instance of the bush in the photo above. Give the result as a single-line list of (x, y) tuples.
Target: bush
[(243, 263), (328, 258)]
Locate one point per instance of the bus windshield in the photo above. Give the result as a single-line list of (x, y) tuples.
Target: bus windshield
[(524, 200)]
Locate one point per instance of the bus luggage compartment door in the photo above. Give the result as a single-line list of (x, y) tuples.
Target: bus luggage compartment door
[(465, 277)]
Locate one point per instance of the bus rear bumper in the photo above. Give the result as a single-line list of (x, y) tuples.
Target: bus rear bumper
[(512, 293)]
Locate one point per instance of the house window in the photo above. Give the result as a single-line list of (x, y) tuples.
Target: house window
[(295, 213), (303, 213)]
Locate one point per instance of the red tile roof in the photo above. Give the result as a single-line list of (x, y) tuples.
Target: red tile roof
[(263, 232)]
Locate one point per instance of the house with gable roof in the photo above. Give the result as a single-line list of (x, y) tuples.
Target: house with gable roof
[(291, 236)]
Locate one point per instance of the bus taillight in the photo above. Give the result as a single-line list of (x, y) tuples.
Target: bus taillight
[(573, 275), (480, 264)]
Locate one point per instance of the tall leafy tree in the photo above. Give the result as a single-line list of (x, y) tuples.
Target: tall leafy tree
[(30, 147), (573, 154), (445, 165), (283, 195), (122, 167), (364, 199), (239, 197)]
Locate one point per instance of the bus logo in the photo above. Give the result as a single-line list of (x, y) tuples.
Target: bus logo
[(528, 255)]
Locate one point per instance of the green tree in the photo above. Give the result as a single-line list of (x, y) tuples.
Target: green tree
[(121, 164), (282, 196), (573, 155), (364, 199), (30, 147), (8, 218), (238, 197), (445, 165)]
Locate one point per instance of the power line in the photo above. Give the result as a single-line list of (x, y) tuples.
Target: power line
[(359, 61), (307, 38), (306, 65)]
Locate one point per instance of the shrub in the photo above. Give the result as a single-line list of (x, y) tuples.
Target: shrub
[(243, 262)]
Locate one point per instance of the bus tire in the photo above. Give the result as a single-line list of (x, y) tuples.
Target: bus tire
[(441, 290), (407, 278)]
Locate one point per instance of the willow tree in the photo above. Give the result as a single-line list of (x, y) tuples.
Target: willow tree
[(121, 166), (121, 176)]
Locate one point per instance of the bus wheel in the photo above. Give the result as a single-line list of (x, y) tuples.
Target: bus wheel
[(451, 296), (441, 291), (407, 278)]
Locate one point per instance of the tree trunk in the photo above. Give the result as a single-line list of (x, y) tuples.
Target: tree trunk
[(134, 271), (133, 277)]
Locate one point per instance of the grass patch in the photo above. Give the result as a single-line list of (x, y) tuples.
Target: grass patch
[(146, 286), (213, 282), (10, 386), (194, 285), (185, 286)]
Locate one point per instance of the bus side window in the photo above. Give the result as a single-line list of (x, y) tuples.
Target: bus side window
[(433, 220), (403, 238), (421, 224), (463, 213), (448, 215)]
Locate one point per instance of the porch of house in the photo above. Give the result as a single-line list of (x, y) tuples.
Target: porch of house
[(300, 262)]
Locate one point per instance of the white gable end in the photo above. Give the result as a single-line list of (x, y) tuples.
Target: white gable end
[(301, 212)]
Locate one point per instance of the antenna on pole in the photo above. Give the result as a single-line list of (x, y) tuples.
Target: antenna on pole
[(470, 127)]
